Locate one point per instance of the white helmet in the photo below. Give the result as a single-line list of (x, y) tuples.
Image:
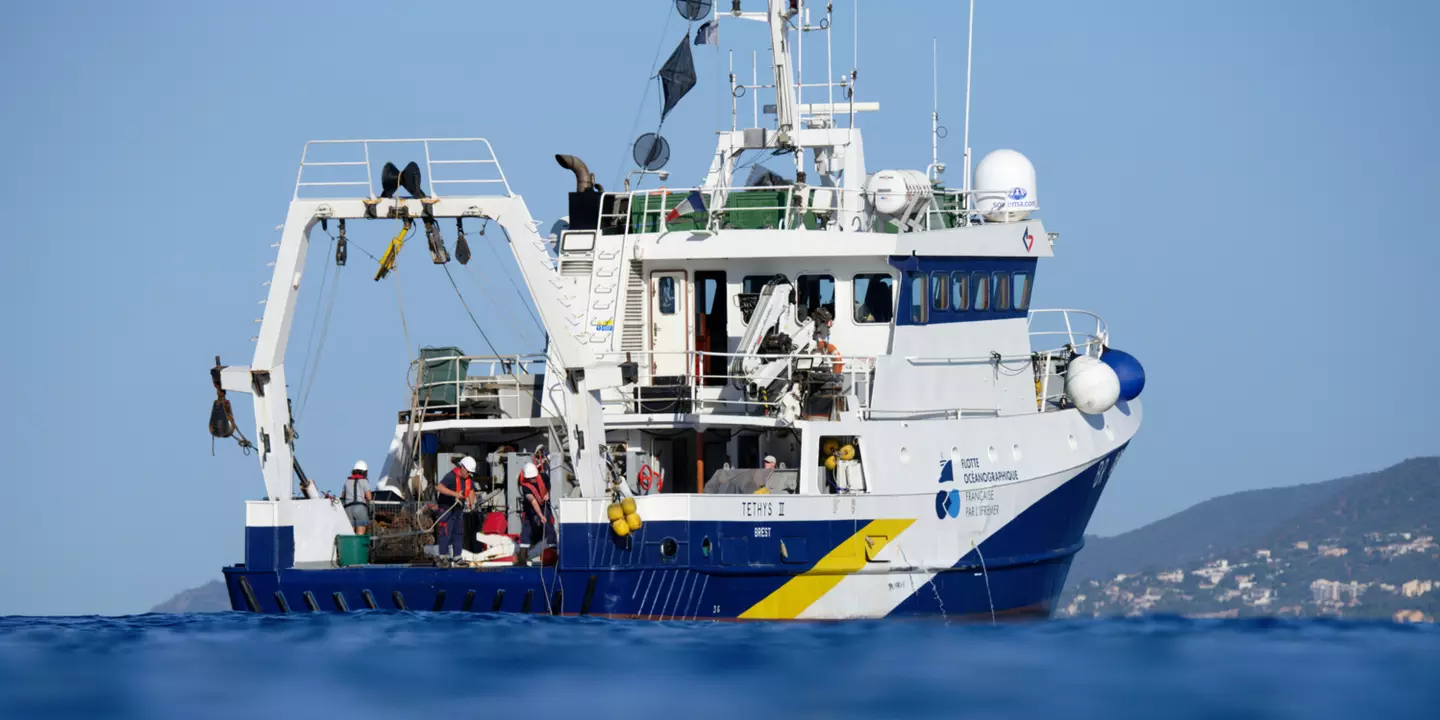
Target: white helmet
[(360, 466), (468, 463), (530, 471)]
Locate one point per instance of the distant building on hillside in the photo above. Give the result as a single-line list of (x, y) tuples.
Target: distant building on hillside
[(1172, 576), (1262, 554), (1416, 588), (1214, 571), (1333, 551), (1333, 592), (1302, 545)]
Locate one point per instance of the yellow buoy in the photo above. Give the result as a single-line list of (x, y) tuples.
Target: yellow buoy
[(620, 527), (628, 505), (830, 463), (762, 491), (615, 512), (829, 447), (846, 452), (632, 522)]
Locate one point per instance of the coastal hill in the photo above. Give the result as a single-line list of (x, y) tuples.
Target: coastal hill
[(1361, 546), (210, 597), (1367, 540)]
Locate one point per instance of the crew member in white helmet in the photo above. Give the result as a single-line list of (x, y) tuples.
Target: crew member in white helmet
[(454, 494), (356, 497), (534, 498)]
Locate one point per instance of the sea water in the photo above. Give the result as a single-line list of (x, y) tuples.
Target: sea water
[(453, 665)]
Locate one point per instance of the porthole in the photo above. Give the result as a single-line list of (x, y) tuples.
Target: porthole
[(668, 546)]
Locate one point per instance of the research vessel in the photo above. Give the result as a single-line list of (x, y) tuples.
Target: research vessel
[(815, 390)]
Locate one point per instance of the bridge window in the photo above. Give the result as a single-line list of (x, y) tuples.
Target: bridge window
[(755, 283), (813, 292), (960, 291), (918, 296), (1021, 285), (980, 291), (1000, 287), (939, 291), (667, 295), (874, 298)]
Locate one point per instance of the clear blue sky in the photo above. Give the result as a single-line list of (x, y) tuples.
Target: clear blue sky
[(1242, 191)]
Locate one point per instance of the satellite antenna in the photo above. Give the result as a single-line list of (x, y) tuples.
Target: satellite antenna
[(651, 151), (693, 10)]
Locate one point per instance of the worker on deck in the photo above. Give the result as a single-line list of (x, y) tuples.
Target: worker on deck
[(455, 494), (769, 462), (534, 499), (356, 497)]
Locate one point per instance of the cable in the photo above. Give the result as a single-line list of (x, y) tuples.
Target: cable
[(509, 316), (400, 301), (466, 305), (640, 107), (500, 264), (320, 347), (315, 316)]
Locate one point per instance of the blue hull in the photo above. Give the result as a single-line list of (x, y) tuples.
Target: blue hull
[(706, 570)]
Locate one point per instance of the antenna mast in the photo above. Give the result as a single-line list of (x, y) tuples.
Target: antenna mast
[(969, 52), (935, 109)]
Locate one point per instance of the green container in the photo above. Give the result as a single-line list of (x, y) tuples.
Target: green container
[(769, 212), (352, 549), (440, 377)]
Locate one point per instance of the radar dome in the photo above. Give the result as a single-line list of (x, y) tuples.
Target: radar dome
[(1005, 187), (1092, 386)]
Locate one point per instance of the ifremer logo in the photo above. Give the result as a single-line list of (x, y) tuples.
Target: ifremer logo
[(947, 502), (1018, 193)]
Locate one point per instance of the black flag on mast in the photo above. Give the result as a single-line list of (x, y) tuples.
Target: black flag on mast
[(677, 76)]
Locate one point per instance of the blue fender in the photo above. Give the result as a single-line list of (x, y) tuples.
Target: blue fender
[(1128, 369)]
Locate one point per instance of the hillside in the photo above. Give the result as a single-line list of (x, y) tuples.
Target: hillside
[(210, 597), (1362, 546), (1217, 525)]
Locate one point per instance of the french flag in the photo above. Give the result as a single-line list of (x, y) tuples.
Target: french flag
[(692, 204)]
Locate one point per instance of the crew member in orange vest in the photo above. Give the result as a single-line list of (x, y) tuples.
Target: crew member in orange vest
[(455, 494), (535, 498)]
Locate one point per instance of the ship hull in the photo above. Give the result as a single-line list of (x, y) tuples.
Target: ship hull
[(726, 570)]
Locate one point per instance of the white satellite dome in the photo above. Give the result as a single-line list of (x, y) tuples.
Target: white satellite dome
[(1091, 385), (1005, 187)]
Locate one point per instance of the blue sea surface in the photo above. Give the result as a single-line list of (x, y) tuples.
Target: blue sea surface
[(454, 665)]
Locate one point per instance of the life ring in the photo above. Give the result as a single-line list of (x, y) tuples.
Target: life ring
[(836, 361), (648, 477)]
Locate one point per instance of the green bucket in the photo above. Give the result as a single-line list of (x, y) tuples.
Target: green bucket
[(353, 549)]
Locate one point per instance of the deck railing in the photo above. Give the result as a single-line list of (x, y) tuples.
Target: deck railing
[(701, 382), (781, 207), (347, 169), (476, 386)]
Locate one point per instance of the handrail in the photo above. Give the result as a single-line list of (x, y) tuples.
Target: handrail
[(1079, 340), (799, 201), (429, 180)]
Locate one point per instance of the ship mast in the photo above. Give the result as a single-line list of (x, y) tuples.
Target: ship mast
[(777, 16), (779, 19)]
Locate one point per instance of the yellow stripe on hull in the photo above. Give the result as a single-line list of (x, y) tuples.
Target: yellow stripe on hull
[(792, 598)]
